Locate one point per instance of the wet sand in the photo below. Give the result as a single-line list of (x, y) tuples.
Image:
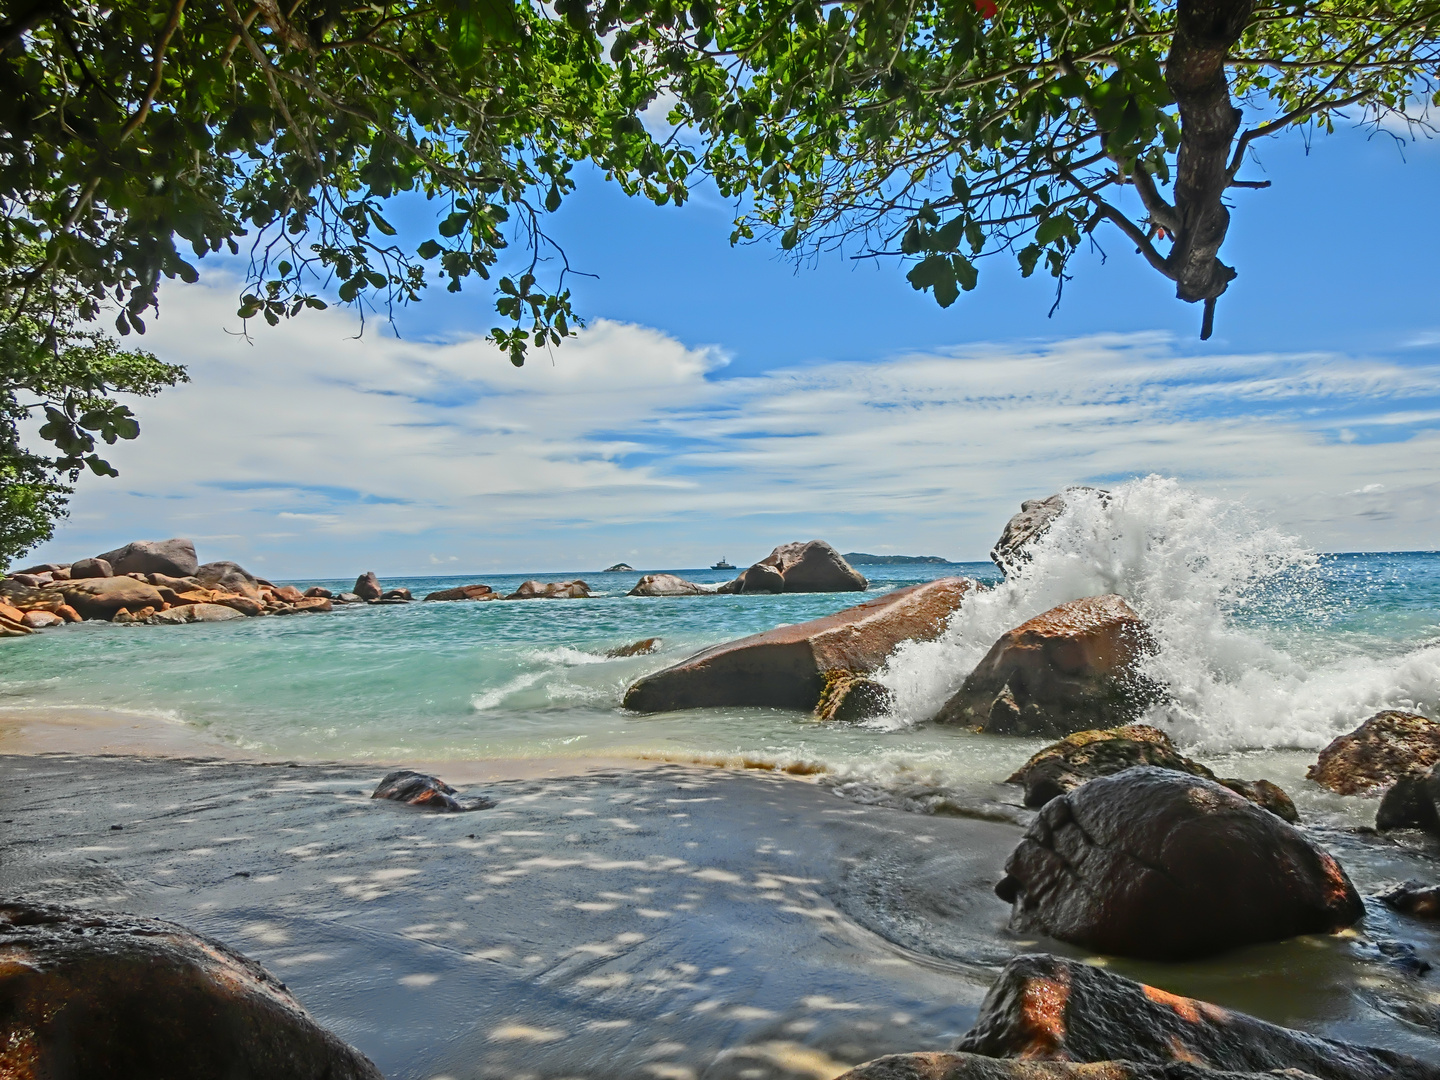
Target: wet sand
[(626, 920)]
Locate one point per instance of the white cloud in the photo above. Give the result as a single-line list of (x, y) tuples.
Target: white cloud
[(317, 452)]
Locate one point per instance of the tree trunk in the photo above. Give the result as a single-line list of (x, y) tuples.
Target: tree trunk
[(1205, 31)]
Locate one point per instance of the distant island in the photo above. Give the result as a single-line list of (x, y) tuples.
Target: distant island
[(859, 558), (619, 568)]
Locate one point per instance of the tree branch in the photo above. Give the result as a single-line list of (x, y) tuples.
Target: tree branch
[(163, 43)]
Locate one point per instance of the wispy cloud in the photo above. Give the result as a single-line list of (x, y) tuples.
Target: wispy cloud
[(384, 452)]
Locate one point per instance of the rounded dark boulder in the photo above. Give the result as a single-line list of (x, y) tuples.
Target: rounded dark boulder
[(90, 995), (91, 568), (1157, 864), (367, 586), (175, 557), (427, 792)]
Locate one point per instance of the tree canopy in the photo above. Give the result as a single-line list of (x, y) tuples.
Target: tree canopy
[(947, 131), (138, 136)]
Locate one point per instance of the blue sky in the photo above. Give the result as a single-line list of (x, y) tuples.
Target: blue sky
[(724, 401)]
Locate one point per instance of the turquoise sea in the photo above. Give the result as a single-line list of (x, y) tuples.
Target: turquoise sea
[(1268, 650)]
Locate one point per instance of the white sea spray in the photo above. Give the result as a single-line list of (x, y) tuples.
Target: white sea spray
[(1236, 608)]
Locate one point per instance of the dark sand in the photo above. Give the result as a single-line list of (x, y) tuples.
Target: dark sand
[(668, 922)]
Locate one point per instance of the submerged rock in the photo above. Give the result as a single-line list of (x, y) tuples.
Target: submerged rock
[(426, 792), (1084, 755), (1045, 1008), (667, 585), (1032, 522), (367, 586), (464, 592), (1161, 865), (1413, 898), (1384, 748), (637, 648), (850, 697), (785, 668), (1072, 668), (551, 590), (120, 996), (175, 557)]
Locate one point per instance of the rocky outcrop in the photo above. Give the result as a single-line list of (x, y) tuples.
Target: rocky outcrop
[(1045, 1008), (1073, 668), (105, 995), (1380, 751), (1084, 755), (225, 574), (635, 648), (760, 578), (1161, 865), (667, 585), (849, 697), (91, 568), (367, 586), (551, 590), (426, 792), (814, 566), (175, 557), (397, 594), (785, 668), (465, 592), (1032, 522), (101, 598)]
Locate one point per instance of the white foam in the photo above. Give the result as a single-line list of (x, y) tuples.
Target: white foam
[(1221, 592), (491, 699)]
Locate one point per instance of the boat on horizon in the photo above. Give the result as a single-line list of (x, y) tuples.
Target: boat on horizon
[(723, 564)]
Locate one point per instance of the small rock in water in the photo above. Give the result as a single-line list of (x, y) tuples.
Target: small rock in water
[(1161, 865), (638, 648), (39, 620), (850, 697), (397, 594), (367, 586), (551, 590), (464, 592), (667, 585), (319, 591), (1413, 898), (1044, 1008), (1386, 747), (427, 792)]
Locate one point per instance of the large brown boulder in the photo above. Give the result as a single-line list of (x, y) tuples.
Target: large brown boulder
[(667, 585), (551, 590), (101, 598), (367, 586), (1032, 522), (174, 557), (1084, 755), (786, 668), (465, 592), (814, 566), (1073, 668), (1380, 751), (28, 598), (1161, 865), (1045, 1008), (760, 578), (91, 568), (225, 574), (90, 995)]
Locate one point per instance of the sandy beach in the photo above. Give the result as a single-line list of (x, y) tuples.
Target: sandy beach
[(622, 919)]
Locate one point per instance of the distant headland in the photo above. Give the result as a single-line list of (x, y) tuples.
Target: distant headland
[(859, 558)]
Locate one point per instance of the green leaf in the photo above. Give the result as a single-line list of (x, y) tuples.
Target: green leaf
[(1051, 229)]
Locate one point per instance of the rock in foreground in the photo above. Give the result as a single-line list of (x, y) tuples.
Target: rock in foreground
[(1380, 751), (1084, 755), (1072, 668), (1045, 1008), (101, 597), (120, 996), (786, 668), (1160, 865), (427, 792)]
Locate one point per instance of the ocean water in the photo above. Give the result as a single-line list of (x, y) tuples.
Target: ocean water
[(1267, 648)]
